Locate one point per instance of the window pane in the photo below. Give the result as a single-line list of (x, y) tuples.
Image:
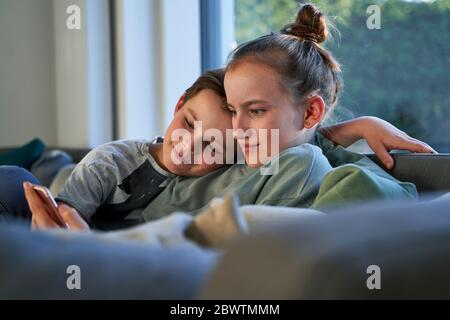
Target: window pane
[(399, 73)]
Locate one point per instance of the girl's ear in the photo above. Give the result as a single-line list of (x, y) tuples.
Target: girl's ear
[(314, 111)]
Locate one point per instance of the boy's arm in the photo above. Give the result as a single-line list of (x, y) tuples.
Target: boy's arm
[(380, 135), (86, 189), (41, 218)]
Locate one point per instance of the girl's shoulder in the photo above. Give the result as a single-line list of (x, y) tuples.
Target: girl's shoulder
[(299, 161), (305, 152)]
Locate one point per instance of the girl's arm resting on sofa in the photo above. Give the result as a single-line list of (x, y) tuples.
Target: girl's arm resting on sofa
[(356, 178), (380, 135), (357, 183)]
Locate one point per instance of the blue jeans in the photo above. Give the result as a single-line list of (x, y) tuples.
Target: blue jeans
[(13, 204)]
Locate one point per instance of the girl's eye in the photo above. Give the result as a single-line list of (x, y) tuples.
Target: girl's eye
[(190, 125), (257, 112)]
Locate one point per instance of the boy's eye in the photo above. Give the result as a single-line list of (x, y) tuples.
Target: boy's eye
[(189, 124), (233, 113), (206, 144), (231, 110)]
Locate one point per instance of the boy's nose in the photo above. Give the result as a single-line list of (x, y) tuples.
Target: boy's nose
[(196, 142)]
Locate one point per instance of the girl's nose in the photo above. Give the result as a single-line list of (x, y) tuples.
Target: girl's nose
[(244, 134), (240, 122)]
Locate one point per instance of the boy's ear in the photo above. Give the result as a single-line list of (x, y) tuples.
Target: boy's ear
[(180, 102), (314, 111)]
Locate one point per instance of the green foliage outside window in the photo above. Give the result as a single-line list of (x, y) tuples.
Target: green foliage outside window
[(400, 73)]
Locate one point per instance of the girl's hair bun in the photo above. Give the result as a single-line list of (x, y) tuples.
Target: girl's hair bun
[(309, 25)]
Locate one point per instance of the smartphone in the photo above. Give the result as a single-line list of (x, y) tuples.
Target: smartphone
[(52, 206)]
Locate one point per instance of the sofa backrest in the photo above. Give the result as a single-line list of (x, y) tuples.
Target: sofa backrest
[(429, 172)]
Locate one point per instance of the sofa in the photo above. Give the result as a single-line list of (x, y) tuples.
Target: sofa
[(333, 256), (429, 172), (304, 255), (308, 256)]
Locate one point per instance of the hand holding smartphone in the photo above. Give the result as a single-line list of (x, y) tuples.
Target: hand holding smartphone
[(52, 206)]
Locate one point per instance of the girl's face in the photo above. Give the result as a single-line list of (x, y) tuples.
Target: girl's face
[(208, 108), (257, 100)]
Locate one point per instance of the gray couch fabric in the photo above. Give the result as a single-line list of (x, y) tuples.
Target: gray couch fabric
[(47, 167), (429, 172), (33, 265), (326, 257), (317, 257)]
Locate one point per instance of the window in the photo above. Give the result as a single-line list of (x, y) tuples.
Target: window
[(399, 73), (217, 32), (158, 57)]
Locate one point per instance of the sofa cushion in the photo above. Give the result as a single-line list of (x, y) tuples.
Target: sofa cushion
[(23, 156), (49, 164), (34, 266), (58, 182), (328, 256)]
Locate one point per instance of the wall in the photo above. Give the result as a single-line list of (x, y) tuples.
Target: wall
[(83, 79), (27, 82), (55, 83)]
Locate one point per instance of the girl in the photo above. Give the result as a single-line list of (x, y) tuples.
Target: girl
[(282, 85)]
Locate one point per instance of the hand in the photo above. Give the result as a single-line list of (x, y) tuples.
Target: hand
[(42, 220), (382, 137)]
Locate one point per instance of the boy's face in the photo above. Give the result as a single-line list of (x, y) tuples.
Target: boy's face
[(184, 151)]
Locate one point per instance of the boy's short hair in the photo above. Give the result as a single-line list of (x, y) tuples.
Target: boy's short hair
[(211, 79)]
